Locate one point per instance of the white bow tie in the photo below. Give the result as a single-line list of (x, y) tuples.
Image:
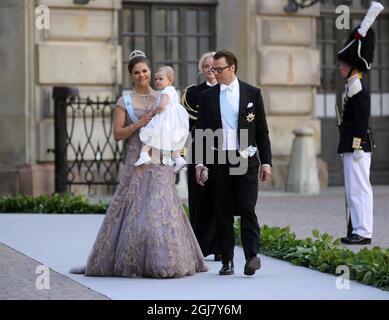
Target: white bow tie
[(226, 87)]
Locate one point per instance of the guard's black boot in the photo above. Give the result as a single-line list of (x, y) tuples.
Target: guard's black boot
[(355, 239)]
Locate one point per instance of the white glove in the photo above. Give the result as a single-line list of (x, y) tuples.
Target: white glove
[(358, 155)]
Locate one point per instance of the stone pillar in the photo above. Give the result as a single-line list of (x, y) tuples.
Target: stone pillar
[(235, 30), (276, 51), (17, 130), (80, 49), (302, 173), (288, 72)]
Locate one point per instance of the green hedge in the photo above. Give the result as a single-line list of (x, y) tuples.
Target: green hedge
[(323, 253), (56, 203)]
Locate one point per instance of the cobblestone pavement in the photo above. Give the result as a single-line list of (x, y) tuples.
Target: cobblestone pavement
[(325, 213), (18, 279)]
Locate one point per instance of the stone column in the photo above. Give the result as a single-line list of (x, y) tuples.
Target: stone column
[(288, 73), (235, 29), (302, 175), (80, 49), (276, 51), (17, 130)]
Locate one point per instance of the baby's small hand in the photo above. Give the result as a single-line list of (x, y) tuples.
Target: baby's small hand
[(145, 119)]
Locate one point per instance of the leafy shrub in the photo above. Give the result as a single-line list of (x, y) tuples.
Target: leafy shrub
[(323, 253), (56, 203)]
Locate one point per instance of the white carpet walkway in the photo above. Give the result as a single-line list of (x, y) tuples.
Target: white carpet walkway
[(63, 241)]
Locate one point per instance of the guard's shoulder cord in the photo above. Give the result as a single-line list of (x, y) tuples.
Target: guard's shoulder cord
[(186, 104)]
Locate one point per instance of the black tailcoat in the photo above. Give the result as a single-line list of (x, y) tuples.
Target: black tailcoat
[(235, 194)]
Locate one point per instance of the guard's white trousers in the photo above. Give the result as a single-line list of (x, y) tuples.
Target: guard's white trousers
[(359, 193)]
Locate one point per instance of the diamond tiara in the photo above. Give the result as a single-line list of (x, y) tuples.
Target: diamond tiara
[(136, 53)]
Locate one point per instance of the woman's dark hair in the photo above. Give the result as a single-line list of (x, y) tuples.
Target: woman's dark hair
[(230, 58), (136, 60)]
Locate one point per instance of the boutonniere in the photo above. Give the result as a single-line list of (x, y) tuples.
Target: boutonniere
[(250, 117), (248, 152)]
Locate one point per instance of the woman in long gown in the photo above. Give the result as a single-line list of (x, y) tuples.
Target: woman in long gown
[(145, 232)]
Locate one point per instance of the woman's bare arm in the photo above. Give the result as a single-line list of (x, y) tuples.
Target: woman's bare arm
[(121, 131)]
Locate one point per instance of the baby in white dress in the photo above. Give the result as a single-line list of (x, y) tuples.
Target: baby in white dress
[(168, 130)]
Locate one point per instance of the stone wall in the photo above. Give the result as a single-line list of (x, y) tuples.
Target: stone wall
[(80, 49), (276, 51), (13, 122), (16, 143), (288, 73)]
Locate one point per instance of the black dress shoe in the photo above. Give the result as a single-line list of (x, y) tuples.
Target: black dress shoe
[(355, 239), (252, 265), (227, 269), (218, 257)]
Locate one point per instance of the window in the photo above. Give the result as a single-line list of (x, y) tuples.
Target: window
[(330, 40), (175, 35)]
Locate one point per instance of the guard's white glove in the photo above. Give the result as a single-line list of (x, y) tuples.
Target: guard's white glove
[(358, 155)]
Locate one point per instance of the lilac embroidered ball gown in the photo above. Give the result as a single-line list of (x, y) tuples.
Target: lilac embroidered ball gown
[(145, 232)]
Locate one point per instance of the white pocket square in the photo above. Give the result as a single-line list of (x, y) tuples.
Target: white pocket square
[(250, 105), (248, 152)]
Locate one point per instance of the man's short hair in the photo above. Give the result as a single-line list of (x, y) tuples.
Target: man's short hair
[(230, 58)]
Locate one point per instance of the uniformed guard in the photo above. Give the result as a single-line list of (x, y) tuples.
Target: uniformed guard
[(356, 144), (201, 214)]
